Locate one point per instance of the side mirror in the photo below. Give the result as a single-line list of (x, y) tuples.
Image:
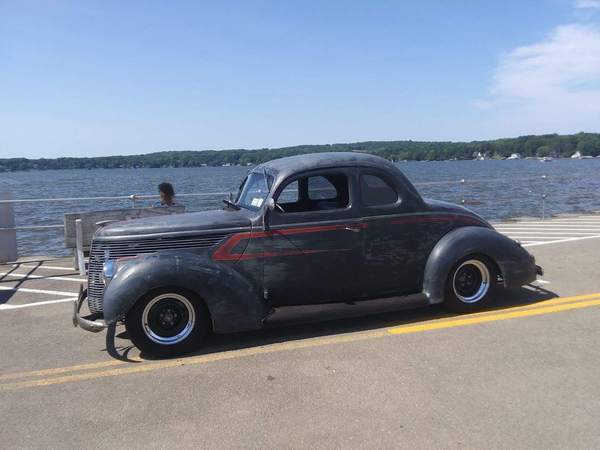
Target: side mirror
[(271, 204)]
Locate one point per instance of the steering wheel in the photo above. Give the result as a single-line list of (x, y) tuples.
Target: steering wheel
[(279, 207)]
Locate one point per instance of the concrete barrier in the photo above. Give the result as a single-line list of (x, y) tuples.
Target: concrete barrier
[(8, 234)]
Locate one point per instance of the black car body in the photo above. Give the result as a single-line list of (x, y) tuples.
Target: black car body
[(318, 228)]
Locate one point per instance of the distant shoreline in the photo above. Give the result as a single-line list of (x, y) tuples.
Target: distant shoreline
[(537, 159), (542, 146)]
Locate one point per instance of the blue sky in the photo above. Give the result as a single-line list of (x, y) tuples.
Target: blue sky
[(106, 78)]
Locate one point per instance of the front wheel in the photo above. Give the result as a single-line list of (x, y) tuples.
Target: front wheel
[(471, 284), (167, 323)]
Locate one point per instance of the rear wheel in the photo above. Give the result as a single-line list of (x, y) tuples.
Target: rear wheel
[(167, 323), (471, 284)]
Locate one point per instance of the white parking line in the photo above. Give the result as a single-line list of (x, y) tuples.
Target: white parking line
[(27, 266), (38, 291), (560, 240), (552, 227), (531, 239), (6, 307), (595, 218), (549, 223), (552, 238), (540, 232), (551, 231), (26, 277)]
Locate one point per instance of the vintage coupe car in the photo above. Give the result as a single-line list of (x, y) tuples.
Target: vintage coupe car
[(309, 229)]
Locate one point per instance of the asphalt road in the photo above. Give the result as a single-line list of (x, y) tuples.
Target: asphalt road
[(523, 375)]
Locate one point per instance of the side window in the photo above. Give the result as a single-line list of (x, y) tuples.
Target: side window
[(290, 194), (315, 193), (320, 188), (375, 191)]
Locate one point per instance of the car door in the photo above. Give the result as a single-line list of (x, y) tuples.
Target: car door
[(314, 245), (392, 257)]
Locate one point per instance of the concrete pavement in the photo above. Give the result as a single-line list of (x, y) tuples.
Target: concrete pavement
[(524, 374)]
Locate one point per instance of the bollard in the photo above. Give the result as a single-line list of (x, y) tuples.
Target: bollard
[(544, 195), (79, 247), (543, 206), (8, 234)]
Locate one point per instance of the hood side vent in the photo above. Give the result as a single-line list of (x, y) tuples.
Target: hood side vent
[(103, 250)]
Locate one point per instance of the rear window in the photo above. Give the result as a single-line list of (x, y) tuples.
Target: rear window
[(375, 191)]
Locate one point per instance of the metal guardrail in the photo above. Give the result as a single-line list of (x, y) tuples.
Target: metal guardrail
[(33, 227), (133, 198), (8, 228)]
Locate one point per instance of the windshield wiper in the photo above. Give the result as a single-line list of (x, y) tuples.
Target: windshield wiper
[(231, 204)]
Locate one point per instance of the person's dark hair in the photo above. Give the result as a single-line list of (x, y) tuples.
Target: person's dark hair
[(167, 189)]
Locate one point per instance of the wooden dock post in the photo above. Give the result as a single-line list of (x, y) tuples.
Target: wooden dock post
[(8, 234)]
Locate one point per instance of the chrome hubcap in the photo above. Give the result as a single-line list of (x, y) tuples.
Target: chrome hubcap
[(168, 319), (471, 281)]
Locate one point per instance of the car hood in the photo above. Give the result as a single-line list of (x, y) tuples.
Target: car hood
[(187, 223)]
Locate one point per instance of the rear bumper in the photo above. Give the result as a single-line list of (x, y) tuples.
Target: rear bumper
[(89, 323)]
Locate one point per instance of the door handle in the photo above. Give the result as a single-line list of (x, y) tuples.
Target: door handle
[(353, 229)]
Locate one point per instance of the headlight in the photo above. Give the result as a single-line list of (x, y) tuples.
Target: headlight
[(109, 269)]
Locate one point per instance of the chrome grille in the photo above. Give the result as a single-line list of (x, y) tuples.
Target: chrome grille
[(101, 251)]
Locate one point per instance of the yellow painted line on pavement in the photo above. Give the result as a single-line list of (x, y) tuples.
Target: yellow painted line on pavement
[(540, 308), (450, 316), (540, 304), (492, 317), (60, 370), (195, 360)]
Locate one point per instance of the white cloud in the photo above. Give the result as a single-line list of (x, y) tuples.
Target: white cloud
[(554, 84), (585, 4), (569, 58)]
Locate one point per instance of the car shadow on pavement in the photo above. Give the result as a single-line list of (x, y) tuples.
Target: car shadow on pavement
[(328, 325)]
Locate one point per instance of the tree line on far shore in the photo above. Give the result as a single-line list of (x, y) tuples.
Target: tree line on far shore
[(554, 145)]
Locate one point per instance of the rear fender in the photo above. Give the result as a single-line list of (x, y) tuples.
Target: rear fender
[(233, 301), (516, 265)]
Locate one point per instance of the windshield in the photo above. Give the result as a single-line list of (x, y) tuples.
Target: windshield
[(254, 190)]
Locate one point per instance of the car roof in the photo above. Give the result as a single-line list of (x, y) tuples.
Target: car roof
[(284, 167)]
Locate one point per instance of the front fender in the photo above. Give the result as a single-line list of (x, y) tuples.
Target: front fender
[(233, 301), (516, 265)]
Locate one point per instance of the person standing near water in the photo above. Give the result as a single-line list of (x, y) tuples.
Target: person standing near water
[(167, 196)]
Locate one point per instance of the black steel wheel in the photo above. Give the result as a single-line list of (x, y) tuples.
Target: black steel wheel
[(167, 322), (471, 284)]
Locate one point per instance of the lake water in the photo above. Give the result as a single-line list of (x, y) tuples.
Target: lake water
[(494, 189)]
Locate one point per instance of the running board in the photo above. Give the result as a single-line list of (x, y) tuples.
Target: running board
[(299, 314)]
